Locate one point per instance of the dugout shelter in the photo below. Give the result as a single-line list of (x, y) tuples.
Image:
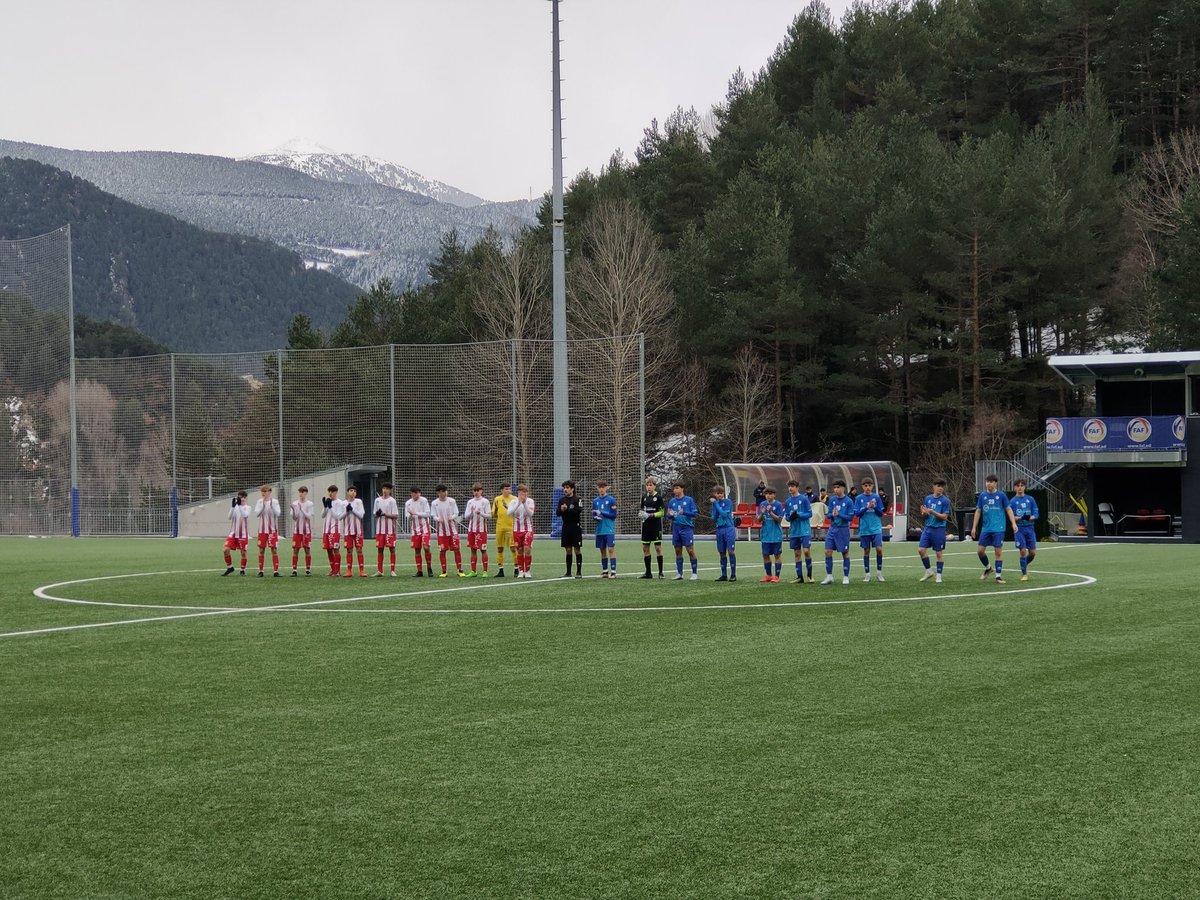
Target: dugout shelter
[(741, 479), (1141, 450)]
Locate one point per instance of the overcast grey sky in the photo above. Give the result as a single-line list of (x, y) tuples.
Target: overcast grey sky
[(459, 91)]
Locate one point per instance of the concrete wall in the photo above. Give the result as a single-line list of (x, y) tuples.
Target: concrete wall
[(210, 518)]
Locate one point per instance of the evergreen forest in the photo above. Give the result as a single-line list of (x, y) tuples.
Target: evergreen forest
[(870, 247)]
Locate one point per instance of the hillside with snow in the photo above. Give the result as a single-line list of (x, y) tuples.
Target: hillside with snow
[(360, 230), (354, 168)]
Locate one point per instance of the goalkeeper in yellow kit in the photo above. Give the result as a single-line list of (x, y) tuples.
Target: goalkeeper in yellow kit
[(504, 527)]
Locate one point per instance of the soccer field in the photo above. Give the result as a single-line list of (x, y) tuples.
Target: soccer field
[(245, 737)]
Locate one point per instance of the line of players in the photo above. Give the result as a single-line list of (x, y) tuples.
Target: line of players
[(343, 527), (993, 510)]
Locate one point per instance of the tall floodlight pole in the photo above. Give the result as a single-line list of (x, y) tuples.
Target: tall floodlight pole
[(562, 403), (76, 528)]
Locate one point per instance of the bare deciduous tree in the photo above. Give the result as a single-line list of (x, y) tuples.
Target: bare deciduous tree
[(512, 304), (750, 391), (1156, 197), (620, 289)]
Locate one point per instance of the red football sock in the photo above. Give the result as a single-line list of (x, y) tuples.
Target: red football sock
[(484, 560), (228, 559)]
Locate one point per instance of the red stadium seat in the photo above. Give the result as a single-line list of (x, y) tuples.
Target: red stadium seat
[(749, 523)]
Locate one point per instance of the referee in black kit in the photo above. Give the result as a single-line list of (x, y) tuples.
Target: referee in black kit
[(570, 512)]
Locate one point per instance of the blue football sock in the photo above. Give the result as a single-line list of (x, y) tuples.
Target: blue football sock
[(1024, 565), (724, 566), (767, 566), (999, 567), (829, 565), (732, 564), (808, 566), (695, 565), (925, 562), (939, 567), (983, 560), (604, 564), (778, 567), (878, 562), (679, 564), (846, 566), (798, 571), (867, 564)]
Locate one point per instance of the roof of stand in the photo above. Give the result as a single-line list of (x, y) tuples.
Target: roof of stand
[(1090, 368)]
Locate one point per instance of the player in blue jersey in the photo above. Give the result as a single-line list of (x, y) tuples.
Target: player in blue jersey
[(936, 510), (1024, 511), (992, 510), (869, 508), (770, 533), (604, 514), (840, 510), (682, 512), (722, 516), (798, 512)]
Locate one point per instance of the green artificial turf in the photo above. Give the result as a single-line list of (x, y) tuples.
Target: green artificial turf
[(549, 738)]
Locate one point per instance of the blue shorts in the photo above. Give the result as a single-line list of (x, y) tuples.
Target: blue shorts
[(991, 539), (933, 538), (726, 539), (772, 548), (1026, 538), (800, 541), (683, 536), (838, 539), (867, 541), (605, 540)]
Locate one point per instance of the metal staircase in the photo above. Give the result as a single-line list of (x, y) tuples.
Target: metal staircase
[(1039, 472)]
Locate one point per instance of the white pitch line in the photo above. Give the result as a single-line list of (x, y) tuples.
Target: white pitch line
[(1084, 581), (202, 612)]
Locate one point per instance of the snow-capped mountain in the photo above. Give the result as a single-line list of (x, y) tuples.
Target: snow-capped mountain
[(354, 168), (360, 230)]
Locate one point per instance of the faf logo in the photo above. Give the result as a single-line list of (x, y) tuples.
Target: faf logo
[(1094, 431), (1138, 430), (1054, 431), (1178, 427)]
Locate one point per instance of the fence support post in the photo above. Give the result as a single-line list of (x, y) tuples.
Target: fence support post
[(392, 401), (513, 355)]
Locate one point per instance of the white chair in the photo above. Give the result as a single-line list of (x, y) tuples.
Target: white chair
[(1108, 517)]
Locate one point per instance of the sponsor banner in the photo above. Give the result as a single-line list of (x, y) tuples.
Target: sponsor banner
[(1115, 434)]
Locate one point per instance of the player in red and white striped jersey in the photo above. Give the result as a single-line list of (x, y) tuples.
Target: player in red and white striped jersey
[(352, 532), (387, 514), (266, 508), (302, 513), (331, 531), (416, 510), (521, 509), (444, 511), (478, 509), (239, 532)]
